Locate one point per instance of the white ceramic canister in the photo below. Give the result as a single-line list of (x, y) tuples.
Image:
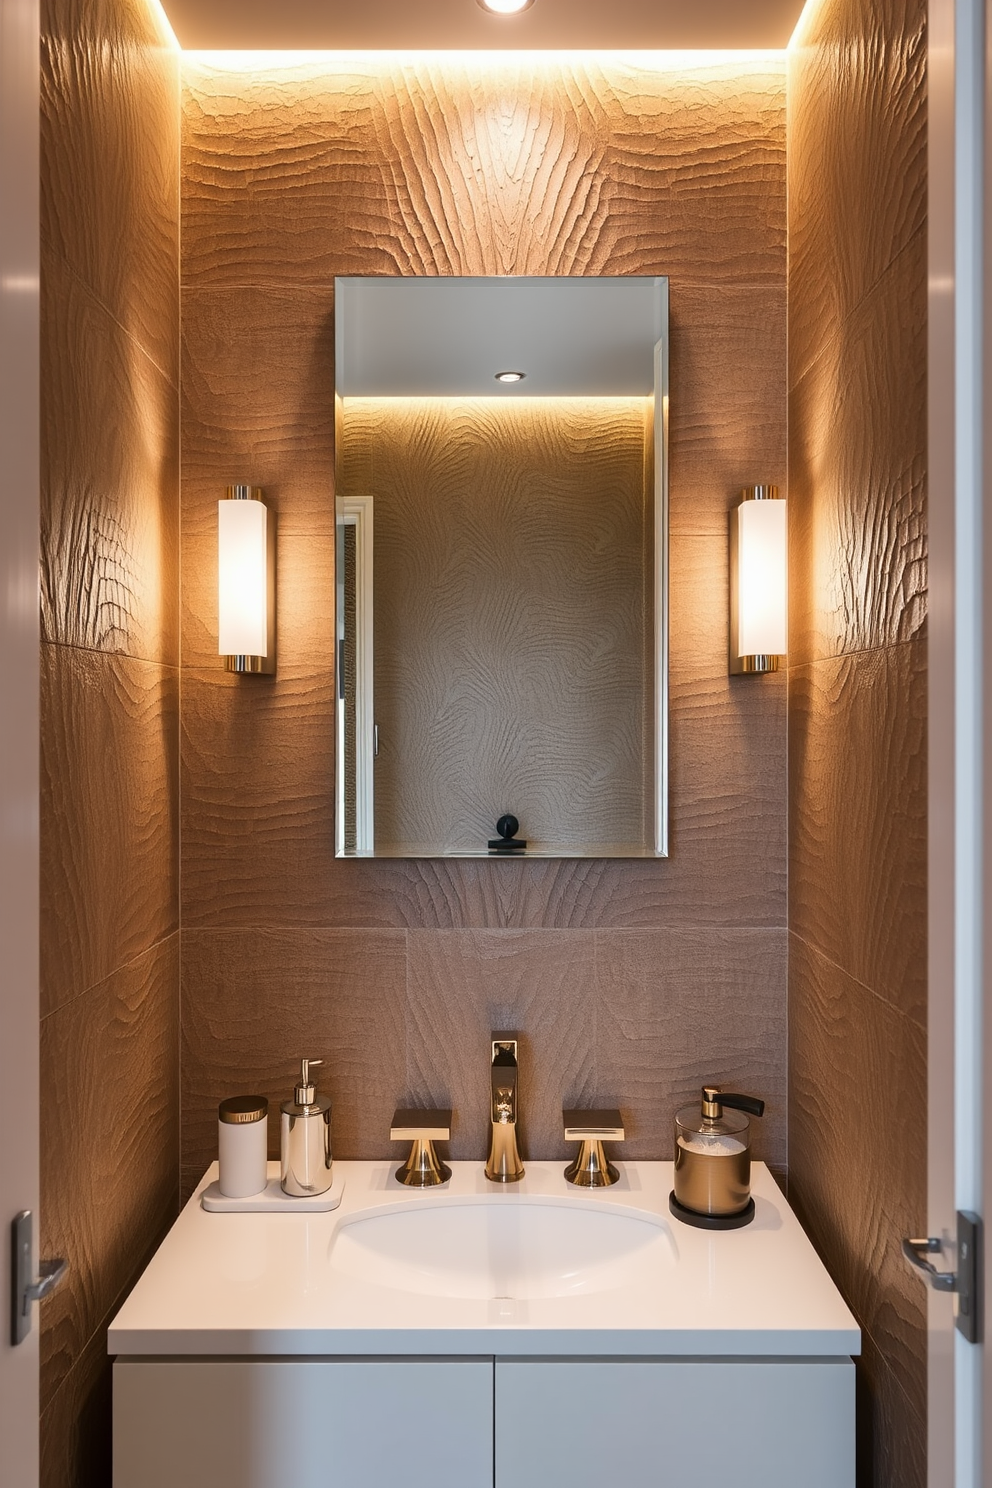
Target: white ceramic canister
[(242, 1142)]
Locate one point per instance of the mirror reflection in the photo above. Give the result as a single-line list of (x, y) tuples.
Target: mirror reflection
[(501, 567)]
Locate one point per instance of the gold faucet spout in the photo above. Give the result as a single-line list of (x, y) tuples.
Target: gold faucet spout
[(503, 1164)]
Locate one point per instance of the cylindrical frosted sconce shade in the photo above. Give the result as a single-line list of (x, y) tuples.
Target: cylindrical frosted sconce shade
[(246, 582), (758, 581)]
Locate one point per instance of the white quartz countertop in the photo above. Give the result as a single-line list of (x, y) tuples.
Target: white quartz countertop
[(269, 1284)]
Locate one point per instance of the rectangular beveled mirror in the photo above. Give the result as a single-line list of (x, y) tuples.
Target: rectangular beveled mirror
[(502, 566)]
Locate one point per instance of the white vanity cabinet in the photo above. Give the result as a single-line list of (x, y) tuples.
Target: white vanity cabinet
[(476, 1423), (316, 1423), (666, 1423)]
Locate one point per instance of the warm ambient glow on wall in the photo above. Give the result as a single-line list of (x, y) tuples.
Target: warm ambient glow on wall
[(246, 582), (808, 18), (164, 25), (758, 581)]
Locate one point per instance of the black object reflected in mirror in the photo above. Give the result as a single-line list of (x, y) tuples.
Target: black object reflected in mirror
[(507, 841)]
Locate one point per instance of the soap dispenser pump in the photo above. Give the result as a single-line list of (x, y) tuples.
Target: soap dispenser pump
[(713, 1161), (305, 1145)]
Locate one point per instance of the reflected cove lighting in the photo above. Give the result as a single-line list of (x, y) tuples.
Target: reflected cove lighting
[(246, 581), (758, 581), (510, 376)]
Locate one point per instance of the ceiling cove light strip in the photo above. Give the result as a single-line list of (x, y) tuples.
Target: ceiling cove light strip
[(327, 62)]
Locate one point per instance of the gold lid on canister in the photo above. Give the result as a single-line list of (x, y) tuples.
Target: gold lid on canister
[(238, 1110)]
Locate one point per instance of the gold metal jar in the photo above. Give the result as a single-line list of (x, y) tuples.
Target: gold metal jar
[(713, 1153)]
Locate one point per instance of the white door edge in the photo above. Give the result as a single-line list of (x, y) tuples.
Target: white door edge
[(19, 674), (956, 707)]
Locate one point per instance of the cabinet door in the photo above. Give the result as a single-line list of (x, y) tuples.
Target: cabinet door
[(324, 1423), (665, 1423)]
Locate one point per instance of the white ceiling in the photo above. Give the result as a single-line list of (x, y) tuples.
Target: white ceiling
[(455, 25)]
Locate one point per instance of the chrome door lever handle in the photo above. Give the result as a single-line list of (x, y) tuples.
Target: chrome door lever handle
[(25, 1287), (52, 1273), (967, 1281), (914, 1251)]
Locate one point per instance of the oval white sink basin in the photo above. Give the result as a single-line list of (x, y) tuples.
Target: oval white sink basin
[(503, 1247)]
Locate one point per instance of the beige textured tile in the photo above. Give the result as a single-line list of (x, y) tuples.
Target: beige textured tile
[(857, 1156), (728, 789), (258, 796), (728, 413), (109, 481), (679, 1008), (857, 461), (858, 812), (466, 985), (258, 396), (857, 158), (526, 167), (109, 1143), (109, 805), (891, 1419), (257, 1001), (857, 763), (110, 163), (76, 1427), (109, 217)]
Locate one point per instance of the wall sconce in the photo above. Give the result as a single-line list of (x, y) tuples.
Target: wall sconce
[(758, 581), (246, 582)]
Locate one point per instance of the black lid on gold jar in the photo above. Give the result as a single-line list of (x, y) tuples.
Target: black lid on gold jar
[(240, 1109)]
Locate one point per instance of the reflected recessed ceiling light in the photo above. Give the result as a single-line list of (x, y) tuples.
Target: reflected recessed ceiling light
[(506, 7), (510, 376)]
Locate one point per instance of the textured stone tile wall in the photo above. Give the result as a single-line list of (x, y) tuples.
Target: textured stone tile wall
[(858, 689), (110, 693)]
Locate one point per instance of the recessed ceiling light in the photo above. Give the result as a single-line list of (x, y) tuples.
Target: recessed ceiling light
[(506, 7), (510, 376)]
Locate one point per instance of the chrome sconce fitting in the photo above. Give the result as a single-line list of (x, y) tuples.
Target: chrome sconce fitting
[(592, 1168), (423, 1168), (758, 581), (246, 582)]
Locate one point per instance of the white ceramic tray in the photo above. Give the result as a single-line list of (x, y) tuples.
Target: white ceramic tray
[(271, 1200)]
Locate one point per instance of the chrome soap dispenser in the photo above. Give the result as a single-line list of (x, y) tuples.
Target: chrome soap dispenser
[(713, 1161), (305, 1145)]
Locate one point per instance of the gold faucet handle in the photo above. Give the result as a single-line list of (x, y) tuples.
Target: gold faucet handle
[(593, 1126), (592, 1168), (423, 1168), (420, 1126)]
